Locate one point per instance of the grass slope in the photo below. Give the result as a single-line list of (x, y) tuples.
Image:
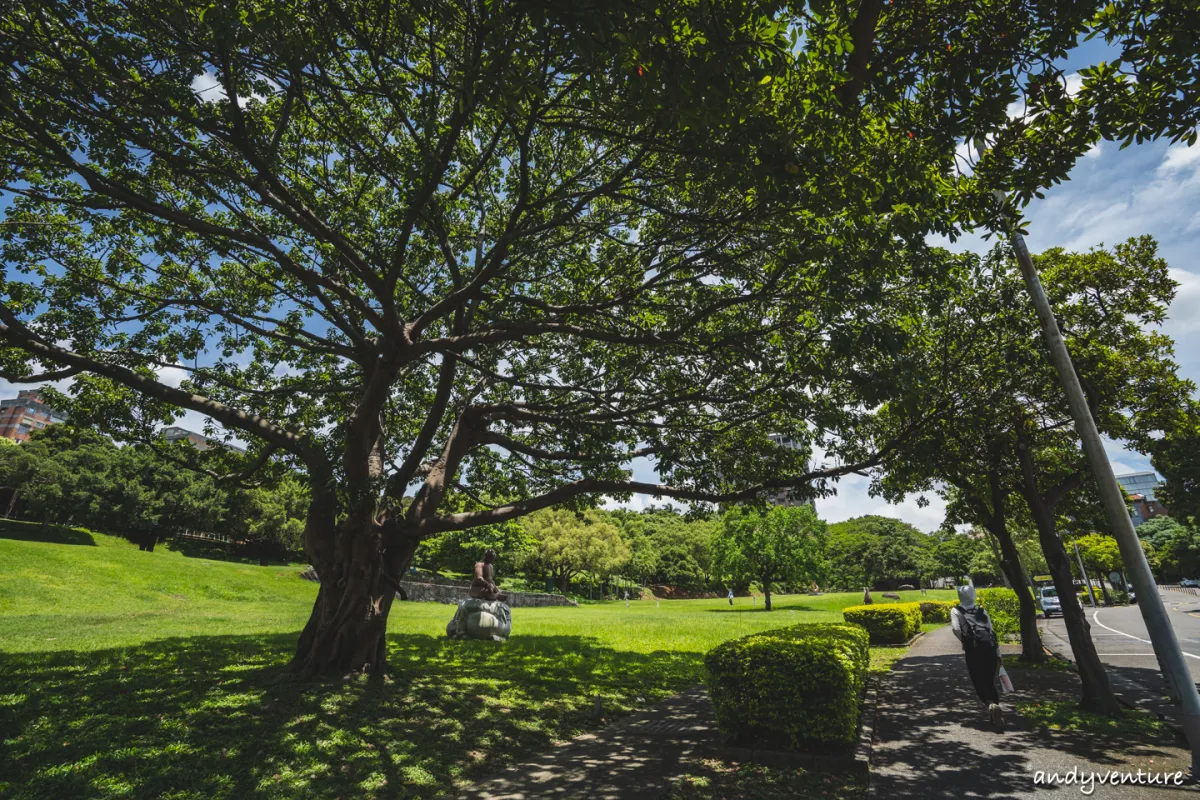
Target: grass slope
[(130, 674), (80, 591)]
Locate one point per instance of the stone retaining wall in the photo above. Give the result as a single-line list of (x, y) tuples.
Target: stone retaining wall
[(436, 593)]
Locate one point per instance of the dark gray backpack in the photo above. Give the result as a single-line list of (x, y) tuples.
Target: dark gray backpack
[(976, 630)]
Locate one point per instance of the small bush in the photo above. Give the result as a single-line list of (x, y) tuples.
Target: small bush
[(792, 687), (890, 623), (936, 610), (1003, 608), (1119, 597)]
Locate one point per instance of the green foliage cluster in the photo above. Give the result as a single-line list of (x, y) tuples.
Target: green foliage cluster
[(1173, 548), (884, 552), (1177, 457), (563, 543), (1003, 608), (886, 623), (782, 545), (670, 548), (934, 611), (792, 687), (75, 476)]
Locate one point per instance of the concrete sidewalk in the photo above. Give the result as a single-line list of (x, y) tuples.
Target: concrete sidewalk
[(933, 739)]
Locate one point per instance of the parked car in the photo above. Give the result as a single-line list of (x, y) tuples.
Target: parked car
[(1190, 583), (1048, 601)]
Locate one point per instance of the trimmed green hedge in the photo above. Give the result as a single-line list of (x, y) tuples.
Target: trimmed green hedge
[(1003, 608), (792, 687), (886, 623), (936, 610)]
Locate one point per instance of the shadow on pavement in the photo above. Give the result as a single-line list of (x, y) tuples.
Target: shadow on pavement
[(933, 739)]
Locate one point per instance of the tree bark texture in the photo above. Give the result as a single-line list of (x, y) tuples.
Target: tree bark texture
[(1097, 693), (357, 561), (1014, 573)]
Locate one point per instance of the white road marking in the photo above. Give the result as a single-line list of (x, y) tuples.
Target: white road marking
[(1096, 619)]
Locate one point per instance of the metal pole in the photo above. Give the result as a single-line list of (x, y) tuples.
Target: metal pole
[(1083, 571), (1162, 635)]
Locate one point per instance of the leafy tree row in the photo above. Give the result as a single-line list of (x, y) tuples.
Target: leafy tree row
[(1009, 459), (73, 476)]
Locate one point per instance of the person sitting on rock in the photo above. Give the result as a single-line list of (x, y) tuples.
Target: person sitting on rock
[(484, 586)]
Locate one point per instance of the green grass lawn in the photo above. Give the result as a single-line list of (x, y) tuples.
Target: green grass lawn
[(131, 674)]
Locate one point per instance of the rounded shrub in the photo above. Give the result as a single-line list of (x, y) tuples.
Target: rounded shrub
[(936, 610), (886, 623), (797, 687), (1003, 608)]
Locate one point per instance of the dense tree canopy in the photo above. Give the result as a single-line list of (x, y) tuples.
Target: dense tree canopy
[(67, 475), (1174, 548), (564, 543), (778, 546), (874, 550), (479, 255), (1177, 457)]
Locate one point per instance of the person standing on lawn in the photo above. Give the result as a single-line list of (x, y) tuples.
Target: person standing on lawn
[(731, 597), (972, 626)]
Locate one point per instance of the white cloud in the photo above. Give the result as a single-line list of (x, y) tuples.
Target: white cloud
[(852, 500), (1179, 158), (207, 87), (1074, 83), (172, 376)]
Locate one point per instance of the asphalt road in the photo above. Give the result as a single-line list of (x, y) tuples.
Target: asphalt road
[(1121, 638)]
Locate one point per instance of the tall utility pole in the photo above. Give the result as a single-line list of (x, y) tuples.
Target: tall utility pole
[(1162, 635)]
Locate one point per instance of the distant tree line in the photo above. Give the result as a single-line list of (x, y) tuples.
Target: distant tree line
[(73, 476)]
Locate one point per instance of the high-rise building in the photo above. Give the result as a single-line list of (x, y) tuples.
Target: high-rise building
[(26, 413), (175, 434), (786, 496), (1139, 487), (197, 440)]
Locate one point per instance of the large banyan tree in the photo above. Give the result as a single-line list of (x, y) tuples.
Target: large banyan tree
[(460, 260)]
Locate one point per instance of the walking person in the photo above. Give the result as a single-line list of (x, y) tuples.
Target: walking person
[(972, 626), (731, 597)]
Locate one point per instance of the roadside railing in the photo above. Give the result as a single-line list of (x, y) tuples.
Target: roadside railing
[(1175, 587), (204, 536)]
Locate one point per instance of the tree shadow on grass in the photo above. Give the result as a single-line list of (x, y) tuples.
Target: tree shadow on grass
[(218, 717), (220, 551), (37, 532), (779, 610)]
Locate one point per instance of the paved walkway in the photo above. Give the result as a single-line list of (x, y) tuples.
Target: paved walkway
[(636, 757), (933, 739)]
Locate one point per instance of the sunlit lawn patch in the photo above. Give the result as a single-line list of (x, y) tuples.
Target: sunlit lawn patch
[(130, 674), (1066, 715)]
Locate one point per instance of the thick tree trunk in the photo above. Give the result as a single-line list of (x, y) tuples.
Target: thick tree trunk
[(346, 631), (1097, 693), (766, 587), (1014, 573), (1104, 591)]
